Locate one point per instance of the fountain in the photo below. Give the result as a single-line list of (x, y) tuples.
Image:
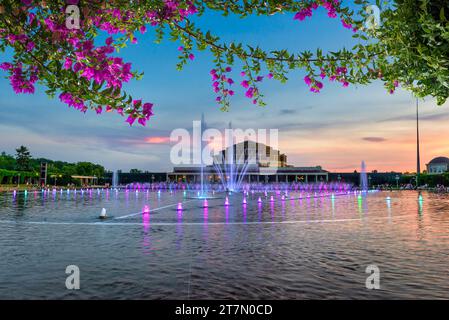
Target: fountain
[(363, 178), (115, 179), (231, 170)]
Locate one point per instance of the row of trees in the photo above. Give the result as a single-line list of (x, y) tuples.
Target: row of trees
[(23, 165)]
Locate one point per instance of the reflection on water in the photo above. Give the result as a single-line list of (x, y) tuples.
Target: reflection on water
[(273, 247)]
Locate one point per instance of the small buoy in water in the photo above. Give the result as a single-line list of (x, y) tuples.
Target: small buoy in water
[(103, 214)]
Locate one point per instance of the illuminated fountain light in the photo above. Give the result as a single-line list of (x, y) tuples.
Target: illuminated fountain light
[(420, 198), (283, 198), (388, 198), (103, 214), (266, 194), (180, 206), (226, 202), (68, 191), (205, 204), (146, 209), (259, 200), (244, 201), (271, 199), (26, 193)]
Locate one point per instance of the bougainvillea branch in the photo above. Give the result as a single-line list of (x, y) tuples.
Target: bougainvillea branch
[(85, 74)]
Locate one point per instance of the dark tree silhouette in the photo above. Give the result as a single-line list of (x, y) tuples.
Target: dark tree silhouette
[(23, 158)]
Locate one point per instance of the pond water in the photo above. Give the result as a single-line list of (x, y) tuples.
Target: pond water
[(293, 248)]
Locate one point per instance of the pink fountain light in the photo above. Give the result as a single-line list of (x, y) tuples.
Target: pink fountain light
[(146, 210), (244, 201), (180, 206), (227, 202), (272, 199), (259, 200), (205, 203)]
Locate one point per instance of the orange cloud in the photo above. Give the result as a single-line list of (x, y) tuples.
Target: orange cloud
[(157, 140)]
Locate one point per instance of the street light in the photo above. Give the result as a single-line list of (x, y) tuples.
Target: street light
[(397, 181), (418, 158)]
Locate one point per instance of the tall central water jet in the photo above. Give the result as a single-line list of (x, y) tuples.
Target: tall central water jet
[(231, 170), (363, 178), (115, 179), (203, 127)]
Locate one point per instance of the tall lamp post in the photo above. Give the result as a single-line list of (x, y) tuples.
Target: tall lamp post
[(418, 160)]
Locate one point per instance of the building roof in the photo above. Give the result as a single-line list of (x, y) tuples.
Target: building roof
[(439, 160)]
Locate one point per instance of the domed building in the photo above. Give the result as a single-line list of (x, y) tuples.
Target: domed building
[(438, 165)]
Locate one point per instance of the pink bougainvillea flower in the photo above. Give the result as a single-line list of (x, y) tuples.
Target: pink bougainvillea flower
[(131, 120), (245, 84), (109, 41), (68, 63), (192, 56), (250, 93), (307, 80), (142, 121)]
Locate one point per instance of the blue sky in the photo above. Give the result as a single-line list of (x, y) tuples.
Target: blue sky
[(337, 128)]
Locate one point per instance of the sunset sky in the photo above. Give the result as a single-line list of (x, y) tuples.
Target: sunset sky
[(336, 129)]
